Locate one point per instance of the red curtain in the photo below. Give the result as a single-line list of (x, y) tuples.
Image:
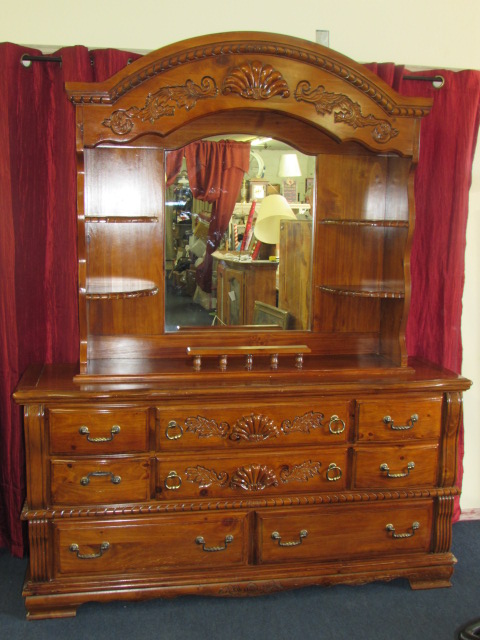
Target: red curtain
[(442, 182), (38, 292)]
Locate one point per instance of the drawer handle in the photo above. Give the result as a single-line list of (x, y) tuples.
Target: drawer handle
[(294, 543), (74, 548), (405, 427), (397, 536), (201, 540), (336, 420), (113, 432), (385, 467), (173, 481), (334, 473), (168, 431), (100, 474)]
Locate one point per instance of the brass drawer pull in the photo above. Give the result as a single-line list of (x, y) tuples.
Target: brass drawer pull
[(391, 528), (201, 540), (335, 420), (170, 427), (113, 432), (410, 423), (334, 473), (173, 481), (294, 543), (100, 474), (385, 467), (74, 548)]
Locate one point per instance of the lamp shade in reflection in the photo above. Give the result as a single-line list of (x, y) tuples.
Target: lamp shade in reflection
[(271, 212), (289, 166)]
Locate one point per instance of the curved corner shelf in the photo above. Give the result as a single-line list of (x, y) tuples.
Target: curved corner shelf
[(366, 290), (349, 222), (118, 219), (119, 288)]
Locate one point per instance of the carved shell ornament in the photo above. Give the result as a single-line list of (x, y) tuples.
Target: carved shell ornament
[(255, 81), (254, 477), (344, 110), (162, 103), (254, 428)]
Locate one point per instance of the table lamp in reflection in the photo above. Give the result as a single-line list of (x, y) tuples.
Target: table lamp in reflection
[(272, 210)]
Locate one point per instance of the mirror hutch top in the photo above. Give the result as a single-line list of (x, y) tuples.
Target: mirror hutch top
[(363, 138)]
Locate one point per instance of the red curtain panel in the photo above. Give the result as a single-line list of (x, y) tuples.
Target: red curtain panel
[(38, 292)]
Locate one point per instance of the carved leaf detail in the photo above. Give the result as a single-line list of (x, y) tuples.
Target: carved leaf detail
[(300, 472), (162, 103), (347, 111), (310, 420), (255, 81), (206, 428), (254, 477), (254, 428), (206, 477)]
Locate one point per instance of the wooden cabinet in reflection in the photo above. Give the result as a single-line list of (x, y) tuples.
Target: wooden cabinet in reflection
[(294, 272), (239, 285)]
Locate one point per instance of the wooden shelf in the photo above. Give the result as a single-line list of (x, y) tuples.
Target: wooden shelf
[(124, 219), (119, 288), (366, 290), (403, 224)]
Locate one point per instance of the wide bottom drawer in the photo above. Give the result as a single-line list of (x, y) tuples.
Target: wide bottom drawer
[(343, 532), (166, 543)]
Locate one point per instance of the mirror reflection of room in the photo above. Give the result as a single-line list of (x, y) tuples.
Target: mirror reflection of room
[(238, 235)]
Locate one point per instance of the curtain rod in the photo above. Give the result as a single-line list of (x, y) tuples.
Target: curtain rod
[(27, 59), (437, 81)]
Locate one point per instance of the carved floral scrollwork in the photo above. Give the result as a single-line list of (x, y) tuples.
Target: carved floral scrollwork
[(205, 428), (162, 103), (206, 477), (253, 427), (301, 472), (255, 81), (347, 111)]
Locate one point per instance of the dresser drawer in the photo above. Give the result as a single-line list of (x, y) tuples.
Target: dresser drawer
[(99, 481), (323, 420), (98, 431), (149, 544), (337, 533), (251, 475), (397, 418), (395, 466)]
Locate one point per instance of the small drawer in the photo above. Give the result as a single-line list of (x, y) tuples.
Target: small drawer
[(394, 418), (323, 420), (163, 543), (395, 466), (99, 481), (340, 533), (252, 475), (98, 431)]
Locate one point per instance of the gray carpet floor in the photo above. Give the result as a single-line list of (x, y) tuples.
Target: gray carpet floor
[(378, 611)]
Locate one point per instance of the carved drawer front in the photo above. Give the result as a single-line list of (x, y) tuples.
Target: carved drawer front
[(151, 543), (338, 533), (281, 424), (97, 432), (252, 475), (396, 418), (395, 466), (100, 481)]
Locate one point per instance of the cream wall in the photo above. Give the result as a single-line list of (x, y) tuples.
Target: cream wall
[(416, 33)]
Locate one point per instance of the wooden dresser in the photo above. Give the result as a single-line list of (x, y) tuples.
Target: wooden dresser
[(241, 461)]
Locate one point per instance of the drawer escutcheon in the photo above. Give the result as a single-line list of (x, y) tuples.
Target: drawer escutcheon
[(384, 467), (390, 528), (294, 543), (74, 548), (84, 431), (410, 423)]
